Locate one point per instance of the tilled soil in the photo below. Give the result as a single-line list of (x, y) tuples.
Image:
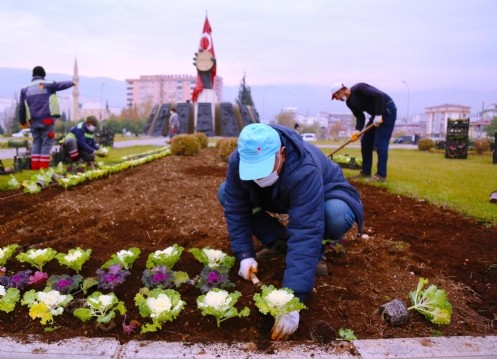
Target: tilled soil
[(173, 200)]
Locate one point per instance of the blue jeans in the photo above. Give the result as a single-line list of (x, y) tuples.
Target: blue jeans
[(379, 138), (339, 218)]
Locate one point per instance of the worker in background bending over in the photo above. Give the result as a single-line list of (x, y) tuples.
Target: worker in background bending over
[(79, 144)]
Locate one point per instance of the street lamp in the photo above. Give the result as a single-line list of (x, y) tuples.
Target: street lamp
[(408, 95)]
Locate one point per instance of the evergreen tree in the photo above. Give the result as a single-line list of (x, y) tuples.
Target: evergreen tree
[(491, 129), (244, 94)]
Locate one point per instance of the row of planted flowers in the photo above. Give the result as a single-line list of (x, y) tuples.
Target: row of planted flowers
[(157, 301), (68, 176)]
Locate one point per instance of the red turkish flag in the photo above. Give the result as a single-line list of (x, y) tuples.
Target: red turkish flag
[(206, 44)]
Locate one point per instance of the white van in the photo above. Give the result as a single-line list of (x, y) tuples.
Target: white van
[(309, 137)]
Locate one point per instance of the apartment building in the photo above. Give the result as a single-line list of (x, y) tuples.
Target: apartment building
[(159, 89)]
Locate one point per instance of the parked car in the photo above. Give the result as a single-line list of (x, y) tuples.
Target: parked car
[(26, 132), (309, 137), (407, 140)]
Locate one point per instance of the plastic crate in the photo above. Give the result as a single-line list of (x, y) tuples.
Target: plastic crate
[(456, 147), (457, 127)]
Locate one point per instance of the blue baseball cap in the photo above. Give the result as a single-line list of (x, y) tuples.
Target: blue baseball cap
[(257, 146)]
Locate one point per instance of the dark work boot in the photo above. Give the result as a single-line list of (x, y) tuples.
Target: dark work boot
[(322, 268), (277, 248)]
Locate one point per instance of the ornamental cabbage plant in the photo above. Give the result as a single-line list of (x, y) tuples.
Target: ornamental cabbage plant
[(213, 278), (19, 280), (37, 257), (74, 259), (277, 301), (101, 306), (46, 305), (432, 302), (112, 278), (125, 258), (8, 298), (213, 258), (163, 277), (167, 257), (7, 252), (65, 283), (160, 305), (220, 304)]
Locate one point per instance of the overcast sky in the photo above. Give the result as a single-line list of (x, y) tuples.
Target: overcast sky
[(429, 44)]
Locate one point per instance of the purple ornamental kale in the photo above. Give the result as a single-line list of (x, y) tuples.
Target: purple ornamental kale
[(210, 278), (159, 276), (65, 283), (21, 279), (112, 278)]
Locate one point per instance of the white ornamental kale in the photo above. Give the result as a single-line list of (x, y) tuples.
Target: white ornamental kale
[(217, 299), (220, 304), (53, 301), (166, 257), (213, 258), (277, 301), (125, 258), (45, 305), (160, 305), (101, 306), (7, 252)]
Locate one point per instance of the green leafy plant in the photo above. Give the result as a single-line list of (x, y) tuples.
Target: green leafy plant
[(45, 305), (37, 257), (160, 305), (74, 259), (8, 298), (101, 306), (7, 252), (277, 301), (220, 304), (347, 334), (125, 258), (167, 257), (432, 302), (213, 258)]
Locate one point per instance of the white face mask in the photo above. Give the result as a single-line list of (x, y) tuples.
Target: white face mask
[(344, 98), (90, 128), (270, 179)]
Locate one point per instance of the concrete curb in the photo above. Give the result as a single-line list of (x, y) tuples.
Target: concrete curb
[(409, 348)]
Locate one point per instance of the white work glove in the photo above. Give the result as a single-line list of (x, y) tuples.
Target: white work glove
[(247, 266), (378, 120), (355, 136), (285, 325)]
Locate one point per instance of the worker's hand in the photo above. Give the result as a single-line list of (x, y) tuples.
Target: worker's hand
[(355, 136), (24, 125), (285, 325), (378, 120), (247, 266)]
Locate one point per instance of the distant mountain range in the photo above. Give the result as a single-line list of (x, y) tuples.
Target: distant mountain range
[(269, 99)]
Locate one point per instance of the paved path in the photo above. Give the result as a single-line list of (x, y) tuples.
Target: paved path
[(9, 153), (108, 348)]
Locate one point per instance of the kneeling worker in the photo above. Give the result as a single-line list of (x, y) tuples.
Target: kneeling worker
[(273, 170), (79, 144)]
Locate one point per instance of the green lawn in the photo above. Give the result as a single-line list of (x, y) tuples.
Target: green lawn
[(463, 185)]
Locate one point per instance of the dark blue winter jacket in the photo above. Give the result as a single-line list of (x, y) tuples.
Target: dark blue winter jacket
[(308, 178), (85, 138), (38, 100)]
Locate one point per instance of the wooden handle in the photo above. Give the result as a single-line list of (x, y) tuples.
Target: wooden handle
[(254, 279), (349, 141)]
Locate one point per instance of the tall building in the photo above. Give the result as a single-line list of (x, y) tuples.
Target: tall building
[(75, 92), (159, 89), (438, 116)]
